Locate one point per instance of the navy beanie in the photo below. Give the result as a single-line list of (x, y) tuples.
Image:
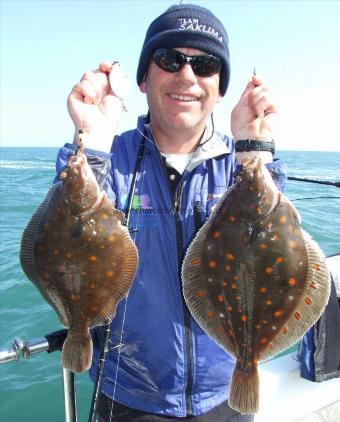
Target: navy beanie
[(187, 25)]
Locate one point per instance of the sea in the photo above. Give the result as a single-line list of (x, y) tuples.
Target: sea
[(32, 390)]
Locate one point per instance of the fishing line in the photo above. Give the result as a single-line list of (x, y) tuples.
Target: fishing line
[(128, 213)]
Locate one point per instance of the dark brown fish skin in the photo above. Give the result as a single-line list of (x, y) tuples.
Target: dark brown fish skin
[(247, 273), (83, 259)]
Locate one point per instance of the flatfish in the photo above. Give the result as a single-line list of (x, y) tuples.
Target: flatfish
[(80, 256), (253, 279)]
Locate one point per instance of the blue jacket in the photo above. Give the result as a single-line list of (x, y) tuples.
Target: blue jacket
[(167, 365)]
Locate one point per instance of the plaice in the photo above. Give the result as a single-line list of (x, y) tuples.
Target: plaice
[(79, 255), (253, 279)]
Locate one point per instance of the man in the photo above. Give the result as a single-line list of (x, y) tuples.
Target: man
[(167, 368)]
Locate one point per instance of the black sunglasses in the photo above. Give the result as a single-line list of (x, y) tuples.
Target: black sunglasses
[(173, 61)]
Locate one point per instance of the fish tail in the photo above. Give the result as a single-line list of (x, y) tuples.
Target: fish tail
[(77, 352), (244, 391)]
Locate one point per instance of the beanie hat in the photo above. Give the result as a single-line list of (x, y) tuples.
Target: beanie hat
[(187, 25)]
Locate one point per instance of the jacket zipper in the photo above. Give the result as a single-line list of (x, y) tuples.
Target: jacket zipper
[(186, 313), (177, 202)]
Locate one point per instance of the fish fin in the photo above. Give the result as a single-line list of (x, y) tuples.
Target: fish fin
[(128, 273), (197, 298), (31, 235), (312, 302), (77, 352), (244, 391)]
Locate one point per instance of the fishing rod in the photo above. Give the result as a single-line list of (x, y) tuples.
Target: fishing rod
[(320, 182), (49, 343), (107, 328)]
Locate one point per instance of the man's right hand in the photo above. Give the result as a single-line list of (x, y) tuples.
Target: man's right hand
[(96, 107)]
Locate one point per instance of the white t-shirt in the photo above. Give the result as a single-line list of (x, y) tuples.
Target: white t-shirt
[(178, 161)]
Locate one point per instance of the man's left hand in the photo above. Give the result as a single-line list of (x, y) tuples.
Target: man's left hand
[(255, 116)]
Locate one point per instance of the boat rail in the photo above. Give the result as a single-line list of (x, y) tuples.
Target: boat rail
[(49, 343)]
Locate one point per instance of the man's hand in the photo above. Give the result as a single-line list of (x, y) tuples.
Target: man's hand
[(96, 107), (255, 116)]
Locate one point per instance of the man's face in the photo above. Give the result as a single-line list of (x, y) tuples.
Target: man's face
[(181, 100)]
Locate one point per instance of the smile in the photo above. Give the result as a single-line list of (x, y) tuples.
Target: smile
[(183, 97)]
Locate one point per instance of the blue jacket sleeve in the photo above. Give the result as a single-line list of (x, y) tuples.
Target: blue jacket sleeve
[(100, 163)]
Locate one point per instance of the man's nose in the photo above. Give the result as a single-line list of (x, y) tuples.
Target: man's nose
[(186, 74)]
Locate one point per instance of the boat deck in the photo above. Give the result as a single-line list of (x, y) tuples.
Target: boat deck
[(286, 397)]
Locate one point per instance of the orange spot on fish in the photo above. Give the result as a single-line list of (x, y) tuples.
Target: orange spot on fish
[(104, 216), (285, 330), (263, 246), (275, 237), (195, 261), (230, 257), (224, 284), (312, 285), (292, 244), (279, 260), (263, 289), (232, 218), (234, 286), (236, 277), (270, 345), (278, 313), (244, 318), (308, 300), (263, 340), (217, 234), (109, 273), (94, 308), (297, 315), (227, 267), (292, 281), (317, 267), (283, 219), (238, 298), (268, 302), (220, 298), (111, 238), (230, 308), (212, 264), (93, 258), (93, 286), (75, 297), (210, 314), (201, 293), (258, 326), (269, 270)]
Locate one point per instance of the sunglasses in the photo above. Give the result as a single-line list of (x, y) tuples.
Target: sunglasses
[(173, 61)]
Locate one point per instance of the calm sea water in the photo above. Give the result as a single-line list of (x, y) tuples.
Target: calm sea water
[(32, 390)]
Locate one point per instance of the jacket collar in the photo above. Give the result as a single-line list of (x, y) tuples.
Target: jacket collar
[(208, 148)]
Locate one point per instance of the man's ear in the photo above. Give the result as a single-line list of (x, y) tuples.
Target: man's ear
[(142, 86)]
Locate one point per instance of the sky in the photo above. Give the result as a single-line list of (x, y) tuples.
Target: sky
[(47, 45)]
